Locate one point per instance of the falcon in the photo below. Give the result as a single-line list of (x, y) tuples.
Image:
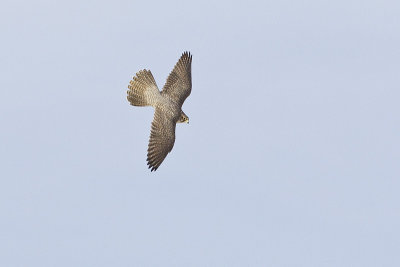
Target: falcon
[(143, 91)]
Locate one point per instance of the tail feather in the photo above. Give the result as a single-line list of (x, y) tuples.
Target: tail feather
[(143, 90)]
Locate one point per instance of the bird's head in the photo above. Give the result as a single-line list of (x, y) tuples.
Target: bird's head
[(183, 118)]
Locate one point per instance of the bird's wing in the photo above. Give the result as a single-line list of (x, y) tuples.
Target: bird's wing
[(179, 81), (162, 139)]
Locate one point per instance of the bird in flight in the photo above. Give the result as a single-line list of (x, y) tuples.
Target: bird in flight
[(143, 91)]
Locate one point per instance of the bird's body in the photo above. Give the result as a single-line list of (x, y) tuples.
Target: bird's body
[(143, 91), (170, 108)]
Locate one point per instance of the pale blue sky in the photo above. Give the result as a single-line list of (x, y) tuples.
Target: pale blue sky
[(291, 157)]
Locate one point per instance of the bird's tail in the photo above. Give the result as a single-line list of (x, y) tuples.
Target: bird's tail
[(143, 90)]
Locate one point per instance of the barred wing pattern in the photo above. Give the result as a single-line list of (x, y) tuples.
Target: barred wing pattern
[(162, 138), (179, 81)]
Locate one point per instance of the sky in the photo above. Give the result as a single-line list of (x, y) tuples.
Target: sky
[(291, 157)]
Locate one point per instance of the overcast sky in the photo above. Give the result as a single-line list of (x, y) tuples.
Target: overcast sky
[(291, 157)]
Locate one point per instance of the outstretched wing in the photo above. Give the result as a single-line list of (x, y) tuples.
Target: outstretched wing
[(179, 81), (162, 139)]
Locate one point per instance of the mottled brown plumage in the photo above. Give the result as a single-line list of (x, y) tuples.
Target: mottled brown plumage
[(143, 91)]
